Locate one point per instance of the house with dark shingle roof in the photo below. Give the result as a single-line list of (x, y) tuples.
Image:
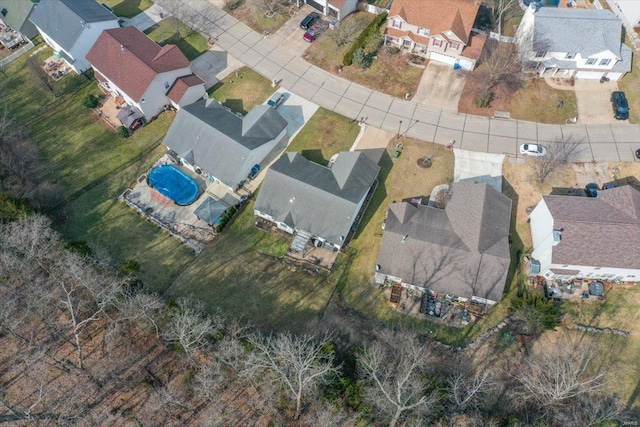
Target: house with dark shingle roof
[(213, 141), (574, 43), (324, 202), (440, 30), (148, 77), (71, 27), (588, 237), (461, 250), (16, 13)]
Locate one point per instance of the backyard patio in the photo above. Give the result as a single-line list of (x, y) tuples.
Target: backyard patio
[(55, 67)]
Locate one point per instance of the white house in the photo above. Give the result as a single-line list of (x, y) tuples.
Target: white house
[(630, 10), (136, 69), (332, 8), (214, 142), (71, 27), (578, 43), (440, 30), (588, 237)]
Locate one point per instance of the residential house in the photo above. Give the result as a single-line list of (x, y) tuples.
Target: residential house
[(71, 27), (323, 203), (588, 237), (15, 14), (146, 76), (574, 43), (337, 9), (213, 141), (440, 30), (461, 250)]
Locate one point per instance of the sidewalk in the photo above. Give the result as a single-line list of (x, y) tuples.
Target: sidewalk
[(602, 142)]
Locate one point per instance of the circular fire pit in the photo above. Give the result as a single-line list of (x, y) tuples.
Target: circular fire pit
[(424, 162)]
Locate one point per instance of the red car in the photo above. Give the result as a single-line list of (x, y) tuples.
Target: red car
[(310, 35)]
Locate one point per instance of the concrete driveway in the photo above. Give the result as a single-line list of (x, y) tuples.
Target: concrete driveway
[(440, 86), (290, 34), (214, 65), (147, 18), (594, 102)]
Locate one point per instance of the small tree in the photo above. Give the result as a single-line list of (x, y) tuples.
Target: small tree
[(271, 7), (559, 153), (361, 59), (123, 132), (345, 33), (90, 101)]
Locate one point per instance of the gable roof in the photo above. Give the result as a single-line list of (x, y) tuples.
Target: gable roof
[(208, 135), (461, 250), (131, 60), (17, 12), (438, 16), (597, 231), (181, 85), (585, 31), (64, 20), (315, 198)]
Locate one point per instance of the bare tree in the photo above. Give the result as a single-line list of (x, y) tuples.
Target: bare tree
[(327, 415), (299, 364), (393, 372), (559, 153), (345, 33), (499, 9), (504, 66), (190, 327), (468, 390), (271, 7)]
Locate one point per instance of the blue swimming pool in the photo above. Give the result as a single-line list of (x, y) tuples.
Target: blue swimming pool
[(171, 182)]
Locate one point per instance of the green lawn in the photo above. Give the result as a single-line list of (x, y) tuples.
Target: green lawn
[(630, 84), (242, 90), (171, 30), (127, 8), (324, 135)]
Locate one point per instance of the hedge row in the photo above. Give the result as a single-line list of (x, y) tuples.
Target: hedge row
[(226, 218), (364, 36)]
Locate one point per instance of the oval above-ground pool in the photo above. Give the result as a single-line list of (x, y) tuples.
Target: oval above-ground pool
[(173, 183)]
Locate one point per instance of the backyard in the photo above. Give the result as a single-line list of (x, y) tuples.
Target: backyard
[(173, 31), (242, 90), (254, 14)]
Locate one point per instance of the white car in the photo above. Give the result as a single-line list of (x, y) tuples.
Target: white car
[(535, 150)]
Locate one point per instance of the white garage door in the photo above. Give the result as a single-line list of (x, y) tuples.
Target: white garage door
[(442, 58), (586, 75), (614, 76)]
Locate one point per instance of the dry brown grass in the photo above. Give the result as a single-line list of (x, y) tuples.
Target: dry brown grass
[(252, 13), (630, 84), (536, 101)]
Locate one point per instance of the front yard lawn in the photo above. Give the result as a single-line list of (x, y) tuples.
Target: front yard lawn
[(127, 8), (253, 13), (324, 135), (536, 101), (173, 31), (242, 90), (389, 73), (630, 84)]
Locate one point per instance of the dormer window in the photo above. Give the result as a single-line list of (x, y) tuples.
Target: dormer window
[(592, 61), (423, 31), (570, 55), (541, 54), (396, 23)]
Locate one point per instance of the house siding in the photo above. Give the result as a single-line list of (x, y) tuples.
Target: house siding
[(155, 97), (193, 94)]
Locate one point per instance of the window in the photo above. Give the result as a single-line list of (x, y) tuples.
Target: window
[(591, 61), (605, 61), (541, 54), (437, 42), (570, 55), (597, 268), (455, 45), (396, 23), (423, 31), (166, 85)]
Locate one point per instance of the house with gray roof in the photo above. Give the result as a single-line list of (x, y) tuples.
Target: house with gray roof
[(574, 43), (71, 27), (588, 237), (322, 202), (461, 249), (211, 140), (15, 15)]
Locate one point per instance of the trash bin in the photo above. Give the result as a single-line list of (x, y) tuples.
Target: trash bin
[(456, 66)]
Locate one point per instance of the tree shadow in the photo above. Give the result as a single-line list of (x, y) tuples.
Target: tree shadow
[(379, 195)]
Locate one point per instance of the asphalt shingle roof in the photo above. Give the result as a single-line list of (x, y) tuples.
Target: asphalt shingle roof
[(131, 60), (315, 198), (585, 31), (461, 250), (17, 12), (597, 231), (64, 20), (218, 141)]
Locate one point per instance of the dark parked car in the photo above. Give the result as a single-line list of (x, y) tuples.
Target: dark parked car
[(620, 105), (276, 99), (305, 24)]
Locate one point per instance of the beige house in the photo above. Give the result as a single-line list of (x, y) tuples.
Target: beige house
[(440, 30)]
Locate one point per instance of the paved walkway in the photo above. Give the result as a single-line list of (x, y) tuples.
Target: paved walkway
[(601, 142)]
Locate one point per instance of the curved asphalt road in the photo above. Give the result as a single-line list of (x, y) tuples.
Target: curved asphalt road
[(600, 142)]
